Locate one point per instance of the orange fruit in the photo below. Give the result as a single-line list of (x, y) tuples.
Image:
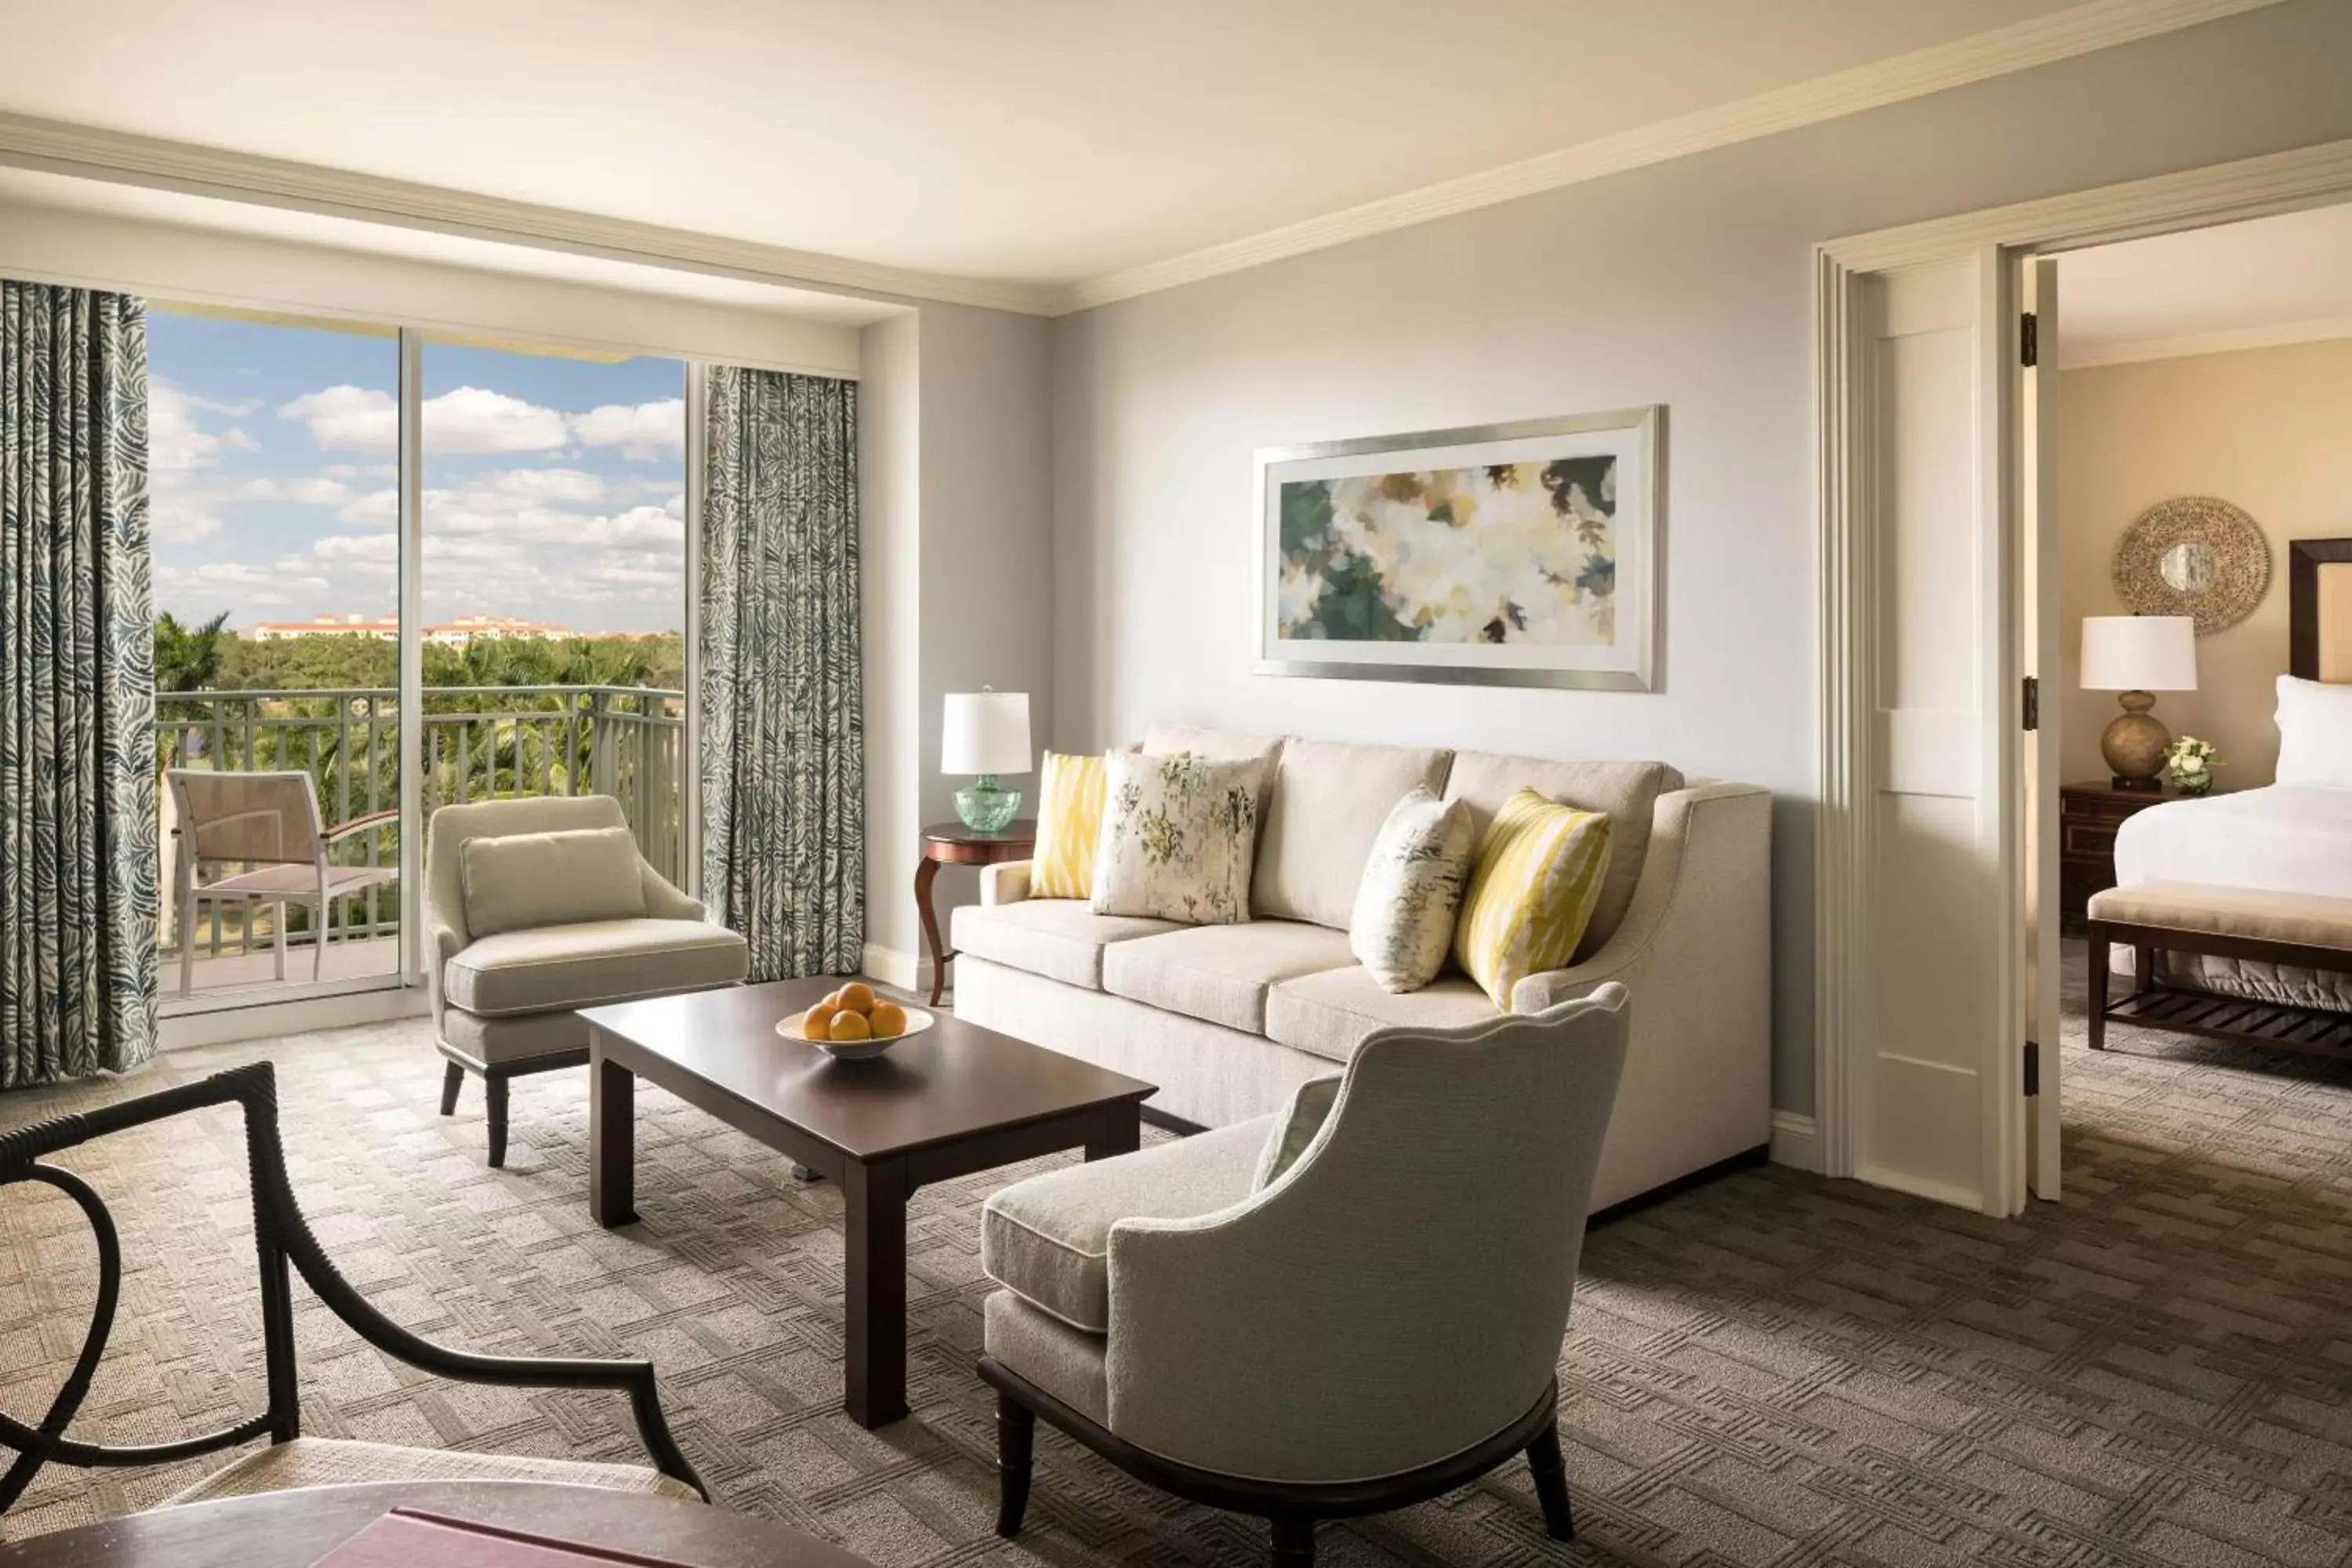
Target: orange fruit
[(817, 1024), (857, 997), (889, 1020), (848, 1025), (832, 1002)]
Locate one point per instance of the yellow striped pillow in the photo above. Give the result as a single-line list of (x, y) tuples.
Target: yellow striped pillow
[(1069, 825), (1538, 876)]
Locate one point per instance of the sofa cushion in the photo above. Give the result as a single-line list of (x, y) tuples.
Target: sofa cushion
[(1628, 792), (1328, 1014), (1219, 973), (1047, 1239), (1069, 1363), (1177, 837), (515, 881), (1327, 806), (589, 963), (1061, 938), (1402, 926)]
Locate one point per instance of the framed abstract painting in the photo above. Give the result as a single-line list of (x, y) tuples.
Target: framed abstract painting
[(1523, 555)]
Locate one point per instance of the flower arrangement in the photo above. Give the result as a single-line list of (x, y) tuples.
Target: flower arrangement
[(2191, 762)]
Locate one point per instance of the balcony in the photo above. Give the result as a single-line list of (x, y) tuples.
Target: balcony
[(478, 743)]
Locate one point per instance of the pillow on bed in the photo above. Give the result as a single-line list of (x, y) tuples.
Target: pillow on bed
[(2315, 722)]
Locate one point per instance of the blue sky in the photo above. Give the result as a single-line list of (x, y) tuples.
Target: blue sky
[(553, 486)]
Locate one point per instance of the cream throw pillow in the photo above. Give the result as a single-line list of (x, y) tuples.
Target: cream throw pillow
[(1540, 874), (1069, 828), (1178, 836), (1403, 920), (522, 882)]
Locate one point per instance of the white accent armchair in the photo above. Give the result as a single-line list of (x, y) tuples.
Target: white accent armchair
[(535, 909), (1343, 1309)]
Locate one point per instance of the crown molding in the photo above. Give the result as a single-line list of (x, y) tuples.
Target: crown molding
[(119, 158), (2080, 30), (2285, 334)]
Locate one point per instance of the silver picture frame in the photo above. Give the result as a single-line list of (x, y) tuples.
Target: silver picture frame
[(1629, 662)]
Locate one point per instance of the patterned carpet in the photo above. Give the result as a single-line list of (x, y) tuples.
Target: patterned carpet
[(1772, 1370)]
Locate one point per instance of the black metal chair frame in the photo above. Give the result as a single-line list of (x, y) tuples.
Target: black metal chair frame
[(1292, 1509), (281, 1236)]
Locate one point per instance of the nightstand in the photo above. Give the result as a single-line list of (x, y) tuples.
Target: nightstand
[(2088, 816)]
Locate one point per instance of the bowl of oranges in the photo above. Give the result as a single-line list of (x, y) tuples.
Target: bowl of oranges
[(853, 1023)]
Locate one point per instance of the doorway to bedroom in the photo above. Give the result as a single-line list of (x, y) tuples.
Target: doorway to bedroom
[(2201, 694)]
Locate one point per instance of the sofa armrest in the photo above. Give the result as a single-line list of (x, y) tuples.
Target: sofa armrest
[(1698, 836), (1006, 883), (1696, 952), (662, 900)]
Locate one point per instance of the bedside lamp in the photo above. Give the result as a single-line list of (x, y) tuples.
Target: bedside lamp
[(986, 733), (2135, 655)]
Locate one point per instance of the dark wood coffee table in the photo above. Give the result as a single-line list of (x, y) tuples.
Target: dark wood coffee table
[(951, 1100)]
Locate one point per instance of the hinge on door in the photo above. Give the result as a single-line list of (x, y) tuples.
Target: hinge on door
[(2032, 1068), (2032, 702), (2029, 341)]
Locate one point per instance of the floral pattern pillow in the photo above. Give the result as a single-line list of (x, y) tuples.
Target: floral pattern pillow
[(1177, 837), (1402, 926)]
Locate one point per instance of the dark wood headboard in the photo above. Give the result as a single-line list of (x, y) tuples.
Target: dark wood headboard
[(2319, 609)]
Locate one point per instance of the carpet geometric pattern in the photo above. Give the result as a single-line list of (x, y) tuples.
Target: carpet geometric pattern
[(1772, 1370)]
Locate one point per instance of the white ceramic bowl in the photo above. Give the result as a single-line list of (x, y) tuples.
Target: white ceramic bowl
[(918, 1020)]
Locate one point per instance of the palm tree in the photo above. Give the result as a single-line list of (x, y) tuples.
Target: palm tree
[(187, 658)]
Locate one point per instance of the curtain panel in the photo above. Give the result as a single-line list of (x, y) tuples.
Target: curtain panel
[(783, 712), (77, 760)]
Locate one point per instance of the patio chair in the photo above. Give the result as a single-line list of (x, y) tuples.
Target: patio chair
[(281, 1237), (268, 823)]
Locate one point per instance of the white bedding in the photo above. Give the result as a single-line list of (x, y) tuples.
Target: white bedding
[(2287, 839)]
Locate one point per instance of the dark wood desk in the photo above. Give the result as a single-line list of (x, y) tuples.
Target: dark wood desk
[(953, 844), (295, 1529), (951, 1100)]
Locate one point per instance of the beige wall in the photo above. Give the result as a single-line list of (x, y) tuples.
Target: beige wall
[(2269, 430), (1688, 283)]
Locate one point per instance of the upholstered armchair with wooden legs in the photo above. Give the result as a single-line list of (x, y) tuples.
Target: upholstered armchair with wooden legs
[(1346, 1309), (537, 908)]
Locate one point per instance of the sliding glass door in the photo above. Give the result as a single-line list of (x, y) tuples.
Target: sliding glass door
[(542, 644)]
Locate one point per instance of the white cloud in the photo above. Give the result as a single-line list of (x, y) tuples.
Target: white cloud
[(355, 417), (645, 432), (177, 443), (237, 584), (175, 519), (315, 491), (475, 419), (376, 506), (382, 547)]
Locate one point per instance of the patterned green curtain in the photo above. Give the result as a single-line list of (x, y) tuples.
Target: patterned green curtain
[(76, 688), (783, 742)]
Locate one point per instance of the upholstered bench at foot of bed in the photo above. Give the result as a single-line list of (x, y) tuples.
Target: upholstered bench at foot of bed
[(2299, 930)]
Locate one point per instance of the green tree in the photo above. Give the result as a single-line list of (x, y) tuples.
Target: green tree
[(188, 659)]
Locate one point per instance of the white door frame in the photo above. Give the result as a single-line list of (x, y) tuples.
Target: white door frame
[(2197, 198)]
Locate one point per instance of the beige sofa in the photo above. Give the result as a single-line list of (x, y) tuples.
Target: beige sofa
[(1229, 1020)]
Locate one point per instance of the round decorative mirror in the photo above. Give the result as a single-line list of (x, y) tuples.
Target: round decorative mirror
[(2194, 556)]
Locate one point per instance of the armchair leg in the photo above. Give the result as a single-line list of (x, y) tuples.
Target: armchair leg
[(1294, 1541), (453, 1078), (1017, 1442), (494, 1095), (1550, 1472)]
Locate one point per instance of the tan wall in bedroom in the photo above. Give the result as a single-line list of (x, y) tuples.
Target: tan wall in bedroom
[(2269, 430)]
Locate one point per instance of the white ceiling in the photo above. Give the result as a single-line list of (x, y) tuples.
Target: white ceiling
[(2244, 285), (1039, 141)]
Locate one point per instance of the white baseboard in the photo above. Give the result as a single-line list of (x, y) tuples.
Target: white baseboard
[(272, 1020), (906, 971), (1796, 1142)]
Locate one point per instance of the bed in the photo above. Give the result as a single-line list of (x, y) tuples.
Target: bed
[(2285, 838)]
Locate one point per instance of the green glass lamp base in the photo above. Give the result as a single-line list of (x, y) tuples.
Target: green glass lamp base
[(986, 806)]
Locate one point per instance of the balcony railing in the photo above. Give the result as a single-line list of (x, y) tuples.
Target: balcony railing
[(479, 742)]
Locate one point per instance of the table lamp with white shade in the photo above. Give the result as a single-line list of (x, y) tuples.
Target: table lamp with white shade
[(986, 733), (2136, 655)]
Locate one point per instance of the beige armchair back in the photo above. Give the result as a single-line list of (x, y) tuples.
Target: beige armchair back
[(1399, 1291)]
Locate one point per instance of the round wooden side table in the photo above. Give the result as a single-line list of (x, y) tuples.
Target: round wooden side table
[(953, 844)]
